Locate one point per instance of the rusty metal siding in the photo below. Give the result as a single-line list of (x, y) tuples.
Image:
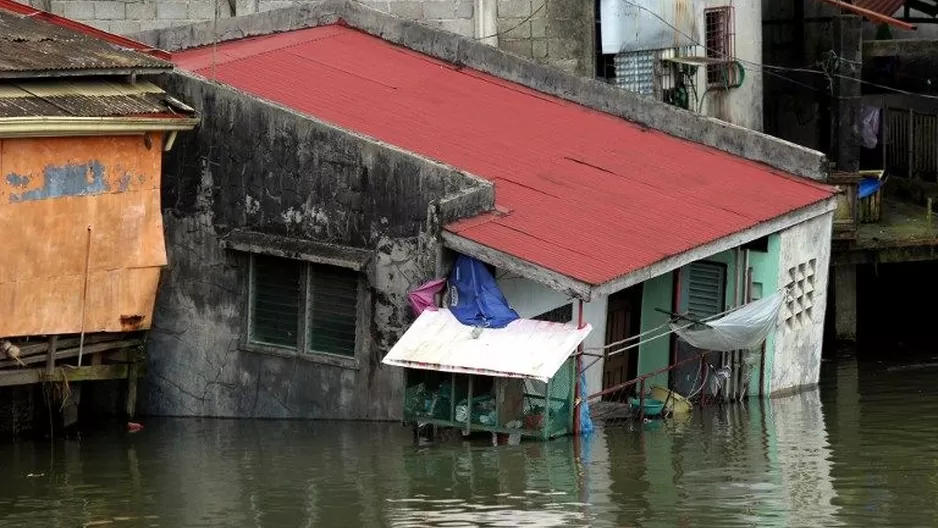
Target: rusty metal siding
[(51, 191), (29, 46)]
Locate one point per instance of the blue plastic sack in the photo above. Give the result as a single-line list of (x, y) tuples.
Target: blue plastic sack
[(476, 299)]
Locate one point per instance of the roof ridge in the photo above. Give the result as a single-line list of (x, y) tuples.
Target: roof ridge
[(73, 25), (456, 49)]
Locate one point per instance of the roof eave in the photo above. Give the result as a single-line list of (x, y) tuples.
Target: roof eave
[(27, 127), (587, 292), (505, 261), (83, 72), (669, 264)]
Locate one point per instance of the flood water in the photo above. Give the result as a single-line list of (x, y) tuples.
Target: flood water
[(859, 452)]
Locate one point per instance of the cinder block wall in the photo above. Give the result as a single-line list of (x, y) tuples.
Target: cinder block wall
[(554, 32)]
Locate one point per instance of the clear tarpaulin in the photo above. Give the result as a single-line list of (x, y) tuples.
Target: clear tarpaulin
[(742, 329)]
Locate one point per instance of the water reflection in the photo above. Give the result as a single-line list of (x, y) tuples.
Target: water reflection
[(767, 464)]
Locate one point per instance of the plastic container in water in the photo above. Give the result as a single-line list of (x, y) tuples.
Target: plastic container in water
[(652, 407)]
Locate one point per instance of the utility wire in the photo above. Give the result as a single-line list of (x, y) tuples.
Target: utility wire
[(516, 26), (767, 67)]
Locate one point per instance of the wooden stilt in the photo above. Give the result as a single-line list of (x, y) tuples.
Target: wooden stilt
[(50, 355), (132, 390)]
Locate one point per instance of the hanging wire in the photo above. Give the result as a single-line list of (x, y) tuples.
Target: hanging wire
[(765, 67)]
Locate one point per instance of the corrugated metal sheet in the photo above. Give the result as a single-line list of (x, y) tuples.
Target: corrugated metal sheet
[(885, 7), (643, 25), (523, 349), (30, 47), (84, 99), (876, 11), (51, 191), (587, 194)]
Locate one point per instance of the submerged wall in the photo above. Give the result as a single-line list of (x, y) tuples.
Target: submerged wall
[(262, 169), (804, 261)]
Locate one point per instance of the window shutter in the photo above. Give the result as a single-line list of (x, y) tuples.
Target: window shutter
[(333, 310), (704, 289), (275, 301)]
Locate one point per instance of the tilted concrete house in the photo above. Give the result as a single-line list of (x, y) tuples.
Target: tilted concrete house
[(345, 155)]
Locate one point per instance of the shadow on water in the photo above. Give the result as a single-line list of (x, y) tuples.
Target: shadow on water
[(857, 453)]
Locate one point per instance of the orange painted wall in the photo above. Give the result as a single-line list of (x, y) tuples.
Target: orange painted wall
[(51, 190)]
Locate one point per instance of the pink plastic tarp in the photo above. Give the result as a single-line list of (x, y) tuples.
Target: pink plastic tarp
[(424, 297)]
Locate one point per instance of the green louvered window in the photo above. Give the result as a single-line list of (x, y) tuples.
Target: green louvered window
[(333, 309), (303, 306)]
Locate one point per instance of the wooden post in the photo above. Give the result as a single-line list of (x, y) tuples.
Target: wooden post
[(132, 373), (50, 357)]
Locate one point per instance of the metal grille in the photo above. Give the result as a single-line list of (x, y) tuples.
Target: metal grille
[(333, 309), (911, 143), (635, 72), (275, 300), (720, 39)]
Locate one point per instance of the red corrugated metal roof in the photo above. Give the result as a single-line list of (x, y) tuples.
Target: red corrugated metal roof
[(885, 7), (878, 11), (587, 194)]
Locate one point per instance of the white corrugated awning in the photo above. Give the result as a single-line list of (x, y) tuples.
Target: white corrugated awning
[(524, 349)]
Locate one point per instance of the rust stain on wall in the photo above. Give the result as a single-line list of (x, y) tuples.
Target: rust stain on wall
[(51, 190)]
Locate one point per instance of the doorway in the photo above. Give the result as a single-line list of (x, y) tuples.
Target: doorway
[(701, 294), (623, 320)]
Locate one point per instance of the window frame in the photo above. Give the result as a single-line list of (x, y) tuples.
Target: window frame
[(721, 73), (301, 350)]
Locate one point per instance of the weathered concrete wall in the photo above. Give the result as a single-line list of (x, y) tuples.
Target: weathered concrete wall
[(804, 260), (555, 32), (452, 48), (258, 167), (743, 105)]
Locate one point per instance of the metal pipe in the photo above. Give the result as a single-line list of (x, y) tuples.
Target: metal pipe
[(577, 365)]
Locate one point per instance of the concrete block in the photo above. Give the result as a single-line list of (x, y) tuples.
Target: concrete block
[(140, 11), (461, 26), (514, 8), (58, 7), (274, 4), (562, 48), (513, 28), (538, 26), (539, 49), (518, 47), (109, 10), (172, 10), (407, 9), (381, 5), (465, 9), (246, 7), (205, 9), (439, 10), (79, 10), (124, 27), (147, 25)]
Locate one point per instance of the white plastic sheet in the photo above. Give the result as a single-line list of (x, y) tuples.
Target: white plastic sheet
[(742, 329)]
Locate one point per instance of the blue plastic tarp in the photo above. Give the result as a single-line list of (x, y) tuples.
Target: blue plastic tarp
[(586, 420), (868, 186), (476, 299)]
